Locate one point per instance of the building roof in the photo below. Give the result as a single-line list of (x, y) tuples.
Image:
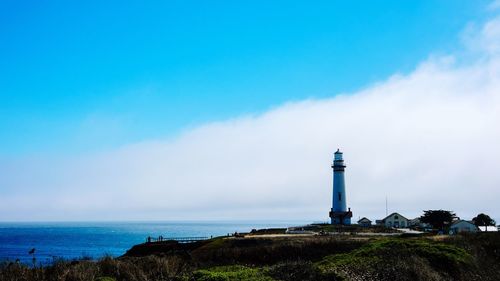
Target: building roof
[(461, 221), (364, 219), (395, 213)]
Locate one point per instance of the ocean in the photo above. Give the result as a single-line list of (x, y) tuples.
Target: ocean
[(75, 240)]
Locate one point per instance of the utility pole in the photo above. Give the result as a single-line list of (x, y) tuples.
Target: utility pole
[(386, 214)]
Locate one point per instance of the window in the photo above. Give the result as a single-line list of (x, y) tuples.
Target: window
[(340, 196), (396, 217)]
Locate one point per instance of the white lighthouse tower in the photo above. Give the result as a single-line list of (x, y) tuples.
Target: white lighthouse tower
[(339, 214)]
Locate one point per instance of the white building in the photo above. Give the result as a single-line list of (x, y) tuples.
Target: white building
[(463, 226), (490, 228), (416, 223), (395, 220)]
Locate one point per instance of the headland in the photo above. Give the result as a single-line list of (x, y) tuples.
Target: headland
[(313, 253)]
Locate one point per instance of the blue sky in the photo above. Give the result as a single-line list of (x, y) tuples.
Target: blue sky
[(78, 77), (177, 110)]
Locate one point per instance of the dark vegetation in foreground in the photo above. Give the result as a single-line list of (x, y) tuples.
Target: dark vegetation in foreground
[(469, 257)]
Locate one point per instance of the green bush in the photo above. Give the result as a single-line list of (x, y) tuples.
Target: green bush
[(231, 273), (105, 279), (300, 270)]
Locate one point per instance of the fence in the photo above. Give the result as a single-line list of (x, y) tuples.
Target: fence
[(150, 239)]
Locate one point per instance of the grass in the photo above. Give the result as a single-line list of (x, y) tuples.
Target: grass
[(396, 258), (215, 243), (269, 251), (434, 252), (349, 228)]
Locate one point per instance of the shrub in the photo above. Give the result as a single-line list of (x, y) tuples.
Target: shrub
[(231, 273), (300, 270), (105, 279)]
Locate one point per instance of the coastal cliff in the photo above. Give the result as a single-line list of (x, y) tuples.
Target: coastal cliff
[(288, 257)]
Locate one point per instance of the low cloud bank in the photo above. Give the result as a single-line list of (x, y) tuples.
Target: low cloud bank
[(429, 139)]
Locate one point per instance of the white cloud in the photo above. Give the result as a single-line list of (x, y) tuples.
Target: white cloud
[(494, 5), (484, 39), (429, 139)]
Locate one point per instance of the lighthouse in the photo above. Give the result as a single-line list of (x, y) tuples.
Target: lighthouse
[(339, 214)]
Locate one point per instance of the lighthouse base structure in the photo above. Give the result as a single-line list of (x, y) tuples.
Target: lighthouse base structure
[(343, 218)]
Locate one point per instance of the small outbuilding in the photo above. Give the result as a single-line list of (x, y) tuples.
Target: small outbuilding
[(461, 226), (414, 222), (417, 224), (395, 220), (490, 228), (365, 222)]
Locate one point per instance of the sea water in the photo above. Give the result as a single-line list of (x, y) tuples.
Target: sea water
[(71, 240)]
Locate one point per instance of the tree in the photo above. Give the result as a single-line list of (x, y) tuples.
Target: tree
[(483, 220), (437, 218)]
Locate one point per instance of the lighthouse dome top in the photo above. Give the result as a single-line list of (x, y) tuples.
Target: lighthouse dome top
[(338, 155)]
